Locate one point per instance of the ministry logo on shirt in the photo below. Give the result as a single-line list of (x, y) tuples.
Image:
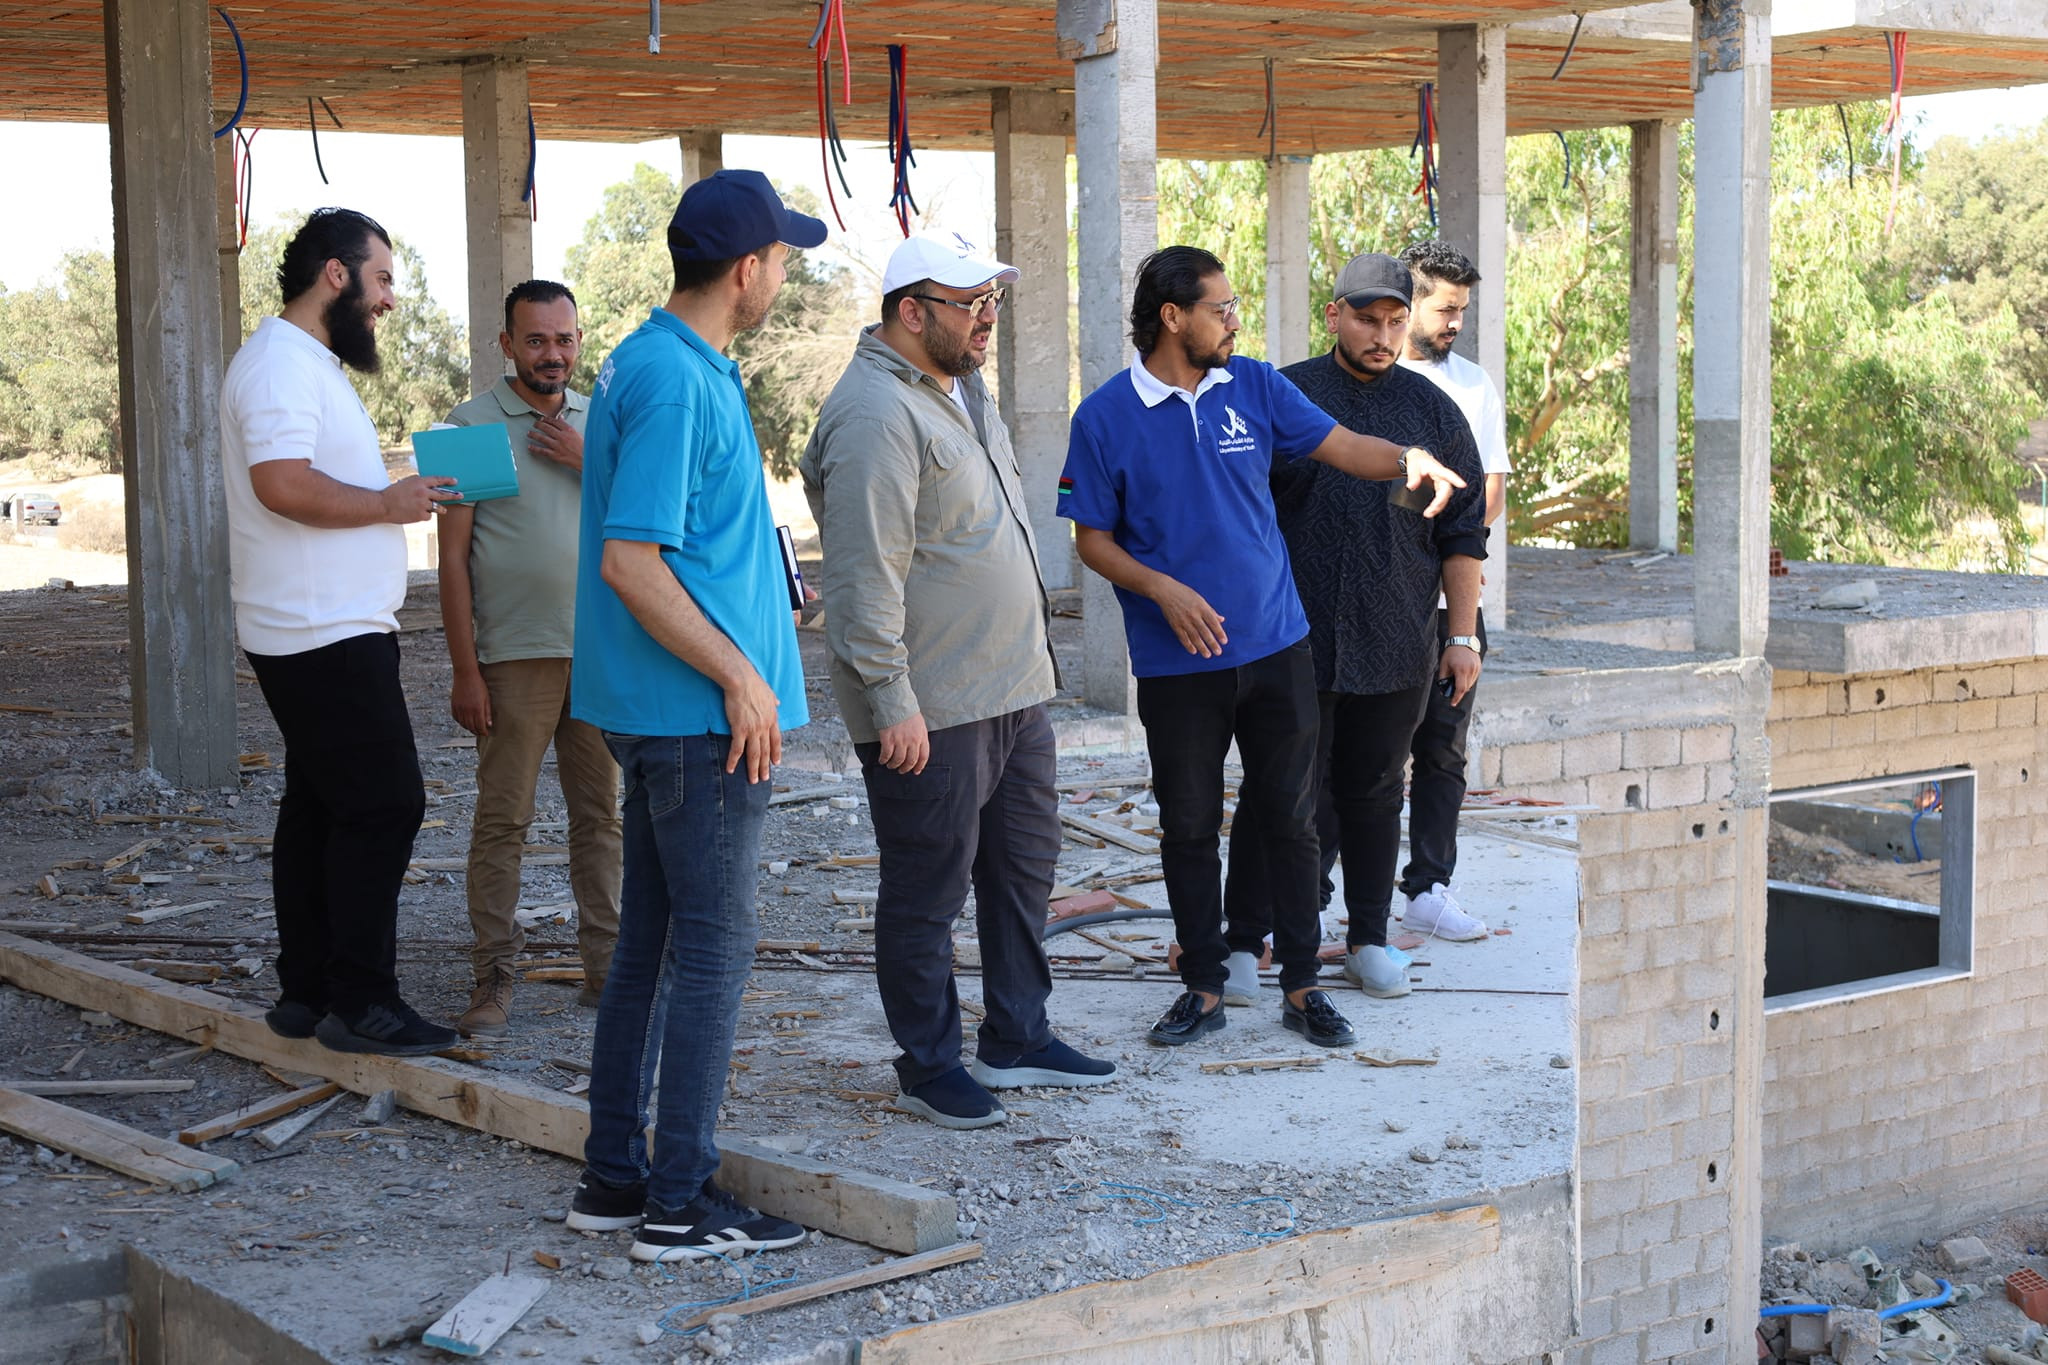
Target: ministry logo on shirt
[(1236, 437)]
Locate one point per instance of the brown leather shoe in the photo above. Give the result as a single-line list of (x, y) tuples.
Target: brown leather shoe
[(490, 1008), (592, 992)]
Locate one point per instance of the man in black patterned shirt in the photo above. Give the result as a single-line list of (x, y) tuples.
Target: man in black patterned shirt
[(1368, 571)]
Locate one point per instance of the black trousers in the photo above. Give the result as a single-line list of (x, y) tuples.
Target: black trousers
[(983, 813), (1359, 762), (1436, 787), (353, 800), (1269, 707)]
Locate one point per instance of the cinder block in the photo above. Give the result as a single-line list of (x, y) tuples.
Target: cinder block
[(1706, 743), (1521, 764), (1852, 731), (1975, 716), (1965, 1253), (1855, 1336), (1681, 786), (1589, 754), (1649, 748), (1795, 703), (2030, 676)]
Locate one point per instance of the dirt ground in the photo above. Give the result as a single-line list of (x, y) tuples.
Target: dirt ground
[(1819, 860), (412, 1212)]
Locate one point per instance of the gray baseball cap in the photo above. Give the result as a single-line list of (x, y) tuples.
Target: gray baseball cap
[(1374, 276)]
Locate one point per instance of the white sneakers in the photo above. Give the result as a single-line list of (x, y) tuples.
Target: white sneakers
[(1243, 986), (1375, 972), (1436, 913)]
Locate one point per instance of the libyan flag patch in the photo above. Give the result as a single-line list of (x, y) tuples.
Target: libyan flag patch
[(1066, 485)]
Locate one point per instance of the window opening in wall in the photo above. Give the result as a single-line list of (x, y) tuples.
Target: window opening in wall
[(1871, 886)]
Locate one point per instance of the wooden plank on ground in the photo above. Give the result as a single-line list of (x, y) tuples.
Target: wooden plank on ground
[(1287, 1275), (845, 1202), (285, 1129), (486, 1313), (163, 912), (1110, 832), (881, 1273), (115, 1146), (256, 1113), (166, 1087)]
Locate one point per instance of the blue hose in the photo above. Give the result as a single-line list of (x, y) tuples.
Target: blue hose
[(1799, 1310), (242, 60)]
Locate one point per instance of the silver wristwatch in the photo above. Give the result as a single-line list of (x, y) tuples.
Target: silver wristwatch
[(1471, 642)]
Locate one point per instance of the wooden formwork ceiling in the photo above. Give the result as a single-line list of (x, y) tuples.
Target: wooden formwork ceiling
[(1345, 71)]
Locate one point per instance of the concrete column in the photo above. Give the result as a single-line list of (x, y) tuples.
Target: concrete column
[(1034, 345), (1653, 337), (1114, 45), (1472, 212), (167, 318), (703, 155), (1731, 307), (1291, 317), (230, 242), (494, 160)]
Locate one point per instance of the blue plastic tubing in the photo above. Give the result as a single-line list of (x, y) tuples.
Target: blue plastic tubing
[(1798, 1310)]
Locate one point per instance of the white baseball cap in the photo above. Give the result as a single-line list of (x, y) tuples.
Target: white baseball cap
[(944, 258)]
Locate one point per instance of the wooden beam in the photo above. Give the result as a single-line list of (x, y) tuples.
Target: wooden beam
[(112, 1145), (486, 1313), (892, 1214), (1287, 1275), (1109, 831), (257, 1113), (881, 1273), (163, 1087)]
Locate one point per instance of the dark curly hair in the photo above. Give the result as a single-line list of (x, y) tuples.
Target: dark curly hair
[(1435, 263), (328, 235), (1172, 274)]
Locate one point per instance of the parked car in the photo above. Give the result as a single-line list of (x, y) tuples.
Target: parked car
[(35, 507)]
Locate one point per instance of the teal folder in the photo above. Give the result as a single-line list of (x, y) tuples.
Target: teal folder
[(478, 458)]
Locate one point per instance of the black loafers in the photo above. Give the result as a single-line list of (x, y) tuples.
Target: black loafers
[(1317, 1020), (1186, 1021)]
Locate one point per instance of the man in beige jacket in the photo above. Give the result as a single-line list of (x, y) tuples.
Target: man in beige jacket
[(935, 613)]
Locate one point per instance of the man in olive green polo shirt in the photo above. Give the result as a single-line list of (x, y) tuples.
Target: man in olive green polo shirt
[(508, 598)]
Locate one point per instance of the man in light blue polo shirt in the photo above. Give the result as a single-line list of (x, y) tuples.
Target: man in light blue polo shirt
[(1166, 483), (686, 658)]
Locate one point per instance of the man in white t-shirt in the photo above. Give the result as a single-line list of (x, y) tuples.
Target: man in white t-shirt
[(1443, 280), (318, 574)]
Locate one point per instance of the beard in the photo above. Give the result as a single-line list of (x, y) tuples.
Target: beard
[(542, 381), (1214, 359), (1365, 363), (952, 356), (751, 309), (351, 327), (1434, 346)]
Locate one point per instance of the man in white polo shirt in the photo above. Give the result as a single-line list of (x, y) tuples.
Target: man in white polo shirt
[(318, 559), (1443, 280)]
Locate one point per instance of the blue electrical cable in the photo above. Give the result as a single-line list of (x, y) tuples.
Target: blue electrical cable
[(1913, 825), (532, 156), (242, 60), (1946, 1291), (1564, 143)]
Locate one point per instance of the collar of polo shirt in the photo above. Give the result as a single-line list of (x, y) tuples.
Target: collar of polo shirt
[(1152, 391)]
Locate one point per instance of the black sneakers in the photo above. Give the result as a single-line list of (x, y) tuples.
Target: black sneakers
[(600, 1206), (1317, 1020), (712, 1224), (292, 1019), (1053, 1064), (393, 1029), (1185, 1021), (953, 1099)]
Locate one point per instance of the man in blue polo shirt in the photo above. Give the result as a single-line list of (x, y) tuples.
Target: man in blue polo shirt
[(686, 658), (1166, 483)]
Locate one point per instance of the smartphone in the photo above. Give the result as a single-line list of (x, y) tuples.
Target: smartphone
[(793, 575), (1446, 687)]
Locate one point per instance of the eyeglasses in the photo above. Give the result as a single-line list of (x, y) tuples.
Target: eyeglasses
[(991, 302), (1226, 309)]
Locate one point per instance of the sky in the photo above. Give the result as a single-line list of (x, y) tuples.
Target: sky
[(413, 185)]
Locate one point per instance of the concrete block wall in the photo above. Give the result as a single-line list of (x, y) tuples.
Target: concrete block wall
[(1670, 990), (1912, 1112)]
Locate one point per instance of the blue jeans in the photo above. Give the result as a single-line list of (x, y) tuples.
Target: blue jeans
[(687, 929)]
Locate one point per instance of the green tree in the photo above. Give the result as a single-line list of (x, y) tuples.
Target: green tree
[(620, 269), (423, 350), (60, 387)]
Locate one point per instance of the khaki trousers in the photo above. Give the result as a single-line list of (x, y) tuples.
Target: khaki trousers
[(530, 710)]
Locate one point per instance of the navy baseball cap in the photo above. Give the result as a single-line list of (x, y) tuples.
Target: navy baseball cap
[(732, 213)]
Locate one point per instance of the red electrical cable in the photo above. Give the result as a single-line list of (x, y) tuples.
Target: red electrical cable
[(1894, 124)]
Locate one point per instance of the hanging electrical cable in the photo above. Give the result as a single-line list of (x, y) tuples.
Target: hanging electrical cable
[(1894, 122), (1425, 142), (1269, 126), (1569, 47), (1565, 143), (901, 158), (241, 60), (654, 27), (831, 151), (245, 182), (1848, 143), (527, 195), (313, 126)]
